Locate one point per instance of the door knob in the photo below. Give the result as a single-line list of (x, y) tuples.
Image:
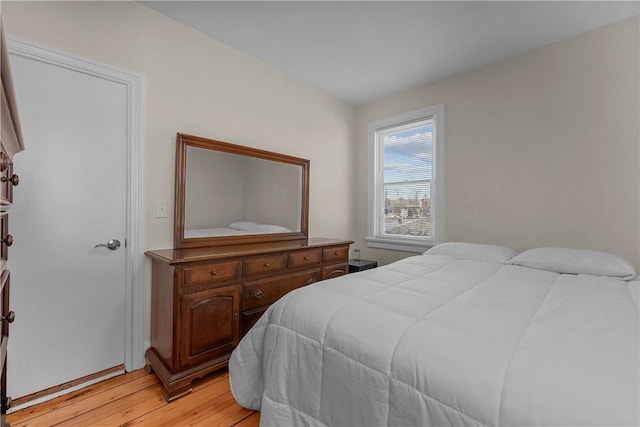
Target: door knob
[(112, 244)]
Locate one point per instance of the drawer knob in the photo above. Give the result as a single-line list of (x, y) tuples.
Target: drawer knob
[(214, 273), (14, 180), (267, 265), (336, 253), (306, 258), (258, 294), (10, 317), (8, 240)]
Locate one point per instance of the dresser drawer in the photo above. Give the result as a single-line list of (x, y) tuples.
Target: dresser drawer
[(4, 239), (211, 272), (265, 264), (305, 258), (338, 253), (5, 310), (7, 179), (334, 270), (263, 292)]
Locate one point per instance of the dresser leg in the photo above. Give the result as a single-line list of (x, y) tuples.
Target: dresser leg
[(178, 384)]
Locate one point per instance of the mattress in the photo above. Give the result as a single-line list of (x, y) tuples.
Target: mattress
[(437, 340)]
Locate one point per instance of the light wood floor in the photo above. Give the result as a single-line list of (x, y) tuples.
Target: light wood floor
[(135, 398)]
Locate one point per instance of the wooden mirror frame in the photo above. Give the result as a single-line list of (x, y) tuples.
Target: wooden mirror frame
[(180, 242)]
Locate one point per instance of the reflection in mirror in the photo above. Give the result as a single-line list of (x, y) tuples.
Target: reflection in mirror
[(229, 194)]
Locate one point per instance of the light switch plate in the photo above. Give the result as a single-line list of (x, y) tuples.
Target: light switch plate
[(162, 209)]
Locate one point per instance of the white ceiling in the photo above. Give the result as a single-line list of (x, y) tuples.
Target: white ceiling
[(362, 50)]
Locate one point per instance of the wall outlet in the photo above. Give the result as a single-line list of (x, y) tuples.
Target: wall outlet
[(162, 209)]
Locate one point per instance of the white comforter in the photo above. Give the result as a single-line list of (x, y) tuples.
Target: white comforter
[(435, 341)]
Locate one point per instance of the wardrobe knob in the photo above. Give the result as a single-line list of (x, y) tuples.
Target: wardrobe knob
[(7, 240), (10, 317), (14, 180)]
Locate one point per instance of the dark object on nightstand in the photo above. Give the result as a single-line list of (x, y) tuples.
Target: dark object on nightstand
[(361, 265)]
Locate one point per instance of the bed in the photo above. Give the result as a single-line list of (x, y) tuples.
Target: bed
[(238, 228), (462, 335)]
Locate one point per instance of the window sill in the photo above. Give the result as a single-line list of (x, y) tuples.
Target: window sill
[(405, 245)]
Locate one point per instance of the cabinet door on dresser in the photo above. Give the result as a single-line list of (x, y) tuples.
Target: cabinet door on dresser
[(209, 324)]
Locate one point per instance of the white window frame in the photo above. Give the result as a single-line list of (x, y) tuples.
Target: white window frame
[(375, 238)]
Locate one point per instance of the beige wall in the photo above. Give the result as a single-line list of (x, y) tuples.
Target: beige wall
[(541, 148)]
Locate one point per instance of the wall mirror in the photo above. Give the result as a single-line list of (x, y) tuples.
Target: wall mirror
[(230, 194)]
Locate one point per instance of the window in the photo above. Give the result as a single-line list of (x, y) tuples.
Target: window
[(406, 180)]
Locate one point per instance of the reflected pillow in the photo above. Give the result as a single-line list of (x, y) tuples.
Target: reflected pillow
[(473, 251), (576, 261), (243, 225)]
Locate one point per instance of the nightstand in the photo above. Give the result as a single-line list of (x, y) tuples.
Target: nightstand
[(361, 265)]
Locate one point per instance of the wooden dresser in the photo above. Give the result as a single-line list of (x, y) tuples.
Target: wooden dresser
[(10, 144), (205, 299)]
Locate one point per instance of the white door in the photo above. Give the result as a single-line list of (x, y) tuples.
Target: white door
[(68, 295)]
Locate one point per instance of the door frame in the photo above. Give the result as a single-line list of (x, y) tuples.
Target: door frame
[(134, 256)]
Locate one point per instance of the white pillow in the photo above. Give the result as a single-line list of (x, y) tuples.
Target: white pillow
[(243, 225), (473, 251), (576, 261)]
